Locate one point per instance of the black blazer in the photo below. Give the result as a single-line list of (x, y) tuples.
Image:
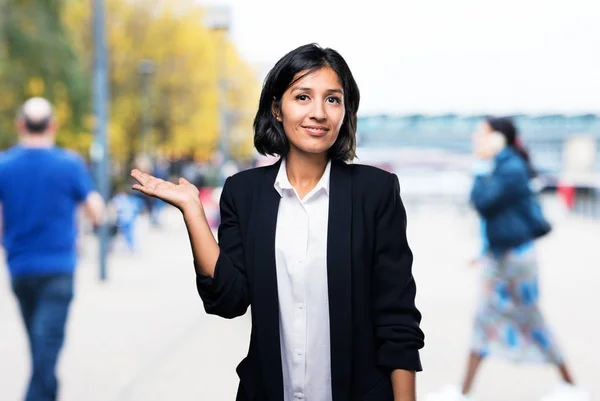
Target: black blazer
[(373, 319)]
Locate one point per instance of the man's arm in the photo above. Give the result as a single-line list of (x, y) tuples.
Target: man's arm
[(94, 208)]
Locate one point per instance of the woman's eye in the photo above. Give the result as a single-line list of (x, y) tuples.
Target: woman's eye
[(334, 99), (302, 97)]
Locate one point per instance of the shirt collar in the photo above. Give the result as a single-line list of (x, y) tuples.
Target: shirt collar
[(282, 182)]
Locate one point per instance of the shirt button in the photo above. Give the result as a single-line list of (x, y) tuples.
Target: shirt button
[(299, 262), (298, 396), (300, 306), (299, 352)]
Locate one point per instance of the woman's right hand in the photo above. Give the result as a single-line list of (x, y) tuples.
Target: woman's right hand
[(184, 196)]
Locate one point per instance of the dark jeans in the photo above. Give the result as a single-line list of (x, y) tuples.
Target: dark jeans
[(44, 303)]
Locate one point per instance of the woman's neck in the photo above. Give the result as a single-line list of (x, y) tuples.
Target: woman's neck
[(305, 170)]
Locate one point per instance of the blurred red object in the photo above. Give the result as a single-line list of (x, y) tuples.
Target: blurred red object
[(567, 194), (211, 205)]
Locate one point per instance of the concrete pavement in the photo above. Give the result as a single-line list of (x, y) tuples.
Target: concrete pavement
[(143, 334)]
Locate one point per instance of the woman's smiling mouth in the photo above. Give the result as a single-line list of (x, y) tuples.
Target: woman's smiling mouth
[(316, 130)]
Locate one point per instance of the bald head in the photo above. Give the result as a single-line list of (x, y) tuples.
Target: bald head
[(36, 116)]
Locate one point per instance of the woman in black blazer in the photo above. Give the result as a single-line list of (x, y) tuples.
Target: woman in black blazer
[(341, 324)]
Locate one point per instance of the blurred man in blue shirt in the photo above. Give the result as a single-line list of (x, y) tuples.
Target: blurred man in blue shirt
[(41, 187)]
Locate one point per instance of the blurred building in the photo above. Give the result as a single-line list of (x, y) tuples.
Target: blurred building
[(546, 136)]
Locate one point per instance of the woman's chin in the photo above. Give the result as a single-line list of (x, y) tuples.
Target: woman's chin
[(314, 148)]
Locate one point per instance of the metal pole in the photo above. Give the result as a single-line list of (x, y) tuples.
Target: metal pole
[(218, 18), (100, 146), (223, 105), (145, 114), (146, 71)]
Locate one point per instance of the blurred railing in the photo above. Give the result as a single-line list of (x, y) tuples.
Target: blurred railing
[(545, 137), (587, 202)]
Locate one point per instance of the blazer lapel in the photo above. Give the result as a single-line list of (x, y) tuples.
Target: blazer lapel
[(339, 277), (265, 300)]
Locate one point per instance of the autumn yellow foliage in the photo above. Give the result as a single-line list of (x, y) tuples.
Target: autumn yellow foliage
[(189, 59)]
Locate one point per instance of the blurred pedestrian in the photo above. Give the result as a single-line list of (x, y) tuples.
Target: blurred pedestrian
[(41, 187), (125, 207), (316, 246), (508, 323)]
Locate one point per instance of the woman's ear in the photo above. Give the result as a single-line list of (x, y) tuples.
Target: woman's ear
[(276, 110)]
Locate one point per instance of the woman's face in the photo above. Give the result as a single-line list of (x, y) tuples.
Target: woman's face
[(312, 112), (481, 132), (484, 128), (486, 142)]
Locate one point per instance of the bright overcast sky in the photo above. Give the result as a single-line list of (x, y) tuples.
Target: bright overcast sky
[(435, 56)]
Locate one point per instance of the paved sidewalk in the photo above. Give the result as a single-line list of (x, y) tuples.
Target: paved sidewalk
[(143, 335)]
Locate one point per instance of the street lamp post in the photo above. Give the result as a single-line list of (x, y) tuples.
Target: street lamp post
[(99, 150), (218, 19), (147, 68)]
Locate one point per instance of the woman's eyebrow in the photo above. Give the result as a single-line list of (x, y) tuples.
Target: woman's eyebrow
[(306, 89), (302, 88)]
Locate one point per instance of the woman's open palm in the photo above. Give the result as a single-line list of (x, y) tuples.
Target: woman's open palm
[(180, 195)]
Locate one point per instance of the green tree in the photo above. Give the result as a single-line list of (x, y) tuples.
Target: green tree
[(38, 59)]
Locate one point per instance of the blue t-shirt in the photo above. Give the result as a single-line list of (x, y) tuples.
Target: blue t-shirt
[(40, 189)]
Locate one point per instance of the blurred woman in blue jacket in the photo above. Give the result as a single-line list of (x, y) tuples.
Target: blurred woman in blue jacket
[(508, 322)]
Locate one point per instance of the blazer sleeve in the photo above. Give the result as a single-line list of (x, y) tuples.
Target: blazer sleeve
[(397, 320), (227, 294)]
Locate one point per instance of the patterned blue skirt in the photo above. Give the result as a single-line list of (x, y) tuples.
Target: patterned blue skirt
[(509, 323)]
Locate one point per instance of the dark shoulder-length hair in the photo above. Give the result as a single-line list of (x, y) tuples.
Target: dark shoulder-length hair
[(269, 136)]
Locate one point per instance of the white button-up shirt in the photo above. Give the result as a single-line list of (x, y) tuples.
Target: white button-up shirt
[(301, 259)]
